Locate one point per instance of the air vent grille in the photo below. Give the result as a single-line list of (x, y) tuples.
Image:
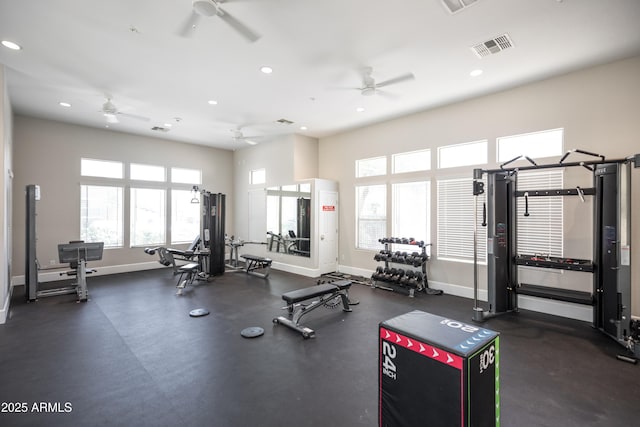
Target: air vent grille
[(492, 46), (284, 122), (454, 6), (160, 129)]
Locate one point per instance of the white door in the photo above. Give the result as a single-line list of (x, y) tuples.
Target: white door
[(328, 231)]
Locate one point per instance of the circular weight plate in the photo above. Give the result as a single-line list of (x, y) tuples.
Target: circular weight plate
[(199, 312), (252, 332)]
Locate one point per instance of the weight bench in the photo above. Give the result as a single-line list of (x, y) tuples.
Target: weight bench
[(254, 263), (327, 293), (191, 270)]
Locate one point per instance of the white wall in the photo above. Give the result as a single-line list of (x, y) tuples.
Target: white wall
[(598, 108), (48, 153), (286, 160), (5, 197)]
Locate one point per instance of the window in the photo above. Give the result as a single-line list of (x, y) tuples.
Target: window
[(273, 214), (371, 206), (371, 167), (411, 210), (185, 217), (147, 222), (101, 212), (546, 143), (289, 214), (146, 172), (101, 168), (455, 220), (186, 176), (258, 176), (412, 161), (541, 232), (470, 153)]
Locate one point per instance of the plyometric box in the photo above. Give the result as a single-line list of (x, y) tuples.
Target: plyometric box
[(438, 372)]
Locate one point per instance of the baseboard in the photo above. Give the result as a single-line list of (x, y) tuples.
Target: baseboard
[(557, 308), (54, 275), (4, 313), (540, 305), (295, 269)]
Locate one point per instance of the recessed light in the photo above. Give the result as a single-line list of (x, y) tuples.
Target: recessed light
[(64, 104), (303, 128), (212, 102), (11, 45), (168, 125), (360, 109), (266, 70), (475, 73)]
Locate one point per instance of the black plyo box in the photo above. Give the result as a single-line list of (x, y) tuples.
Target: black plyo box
[(437, 371)]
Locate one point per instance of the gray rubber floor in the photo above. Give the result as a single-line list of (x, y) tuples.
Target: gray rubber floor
[(132, 356)]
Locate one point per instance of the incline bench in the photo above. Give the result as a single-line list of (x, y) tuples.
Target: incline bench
[(326, 292), (254, 263)]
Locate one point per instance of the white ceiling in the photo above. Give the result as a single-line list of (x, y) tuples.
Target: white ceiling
[(83, 51)]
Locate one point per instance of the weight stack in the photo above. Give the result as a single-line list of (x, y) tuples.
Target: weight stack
[(438, 372)]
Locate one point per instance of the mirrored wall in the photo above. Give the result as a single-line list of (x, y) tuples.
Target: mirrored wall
[(289, 219)]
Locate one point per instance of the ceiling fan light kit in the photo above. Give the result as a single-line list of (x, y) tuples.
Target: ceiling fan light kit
[(205, 7)]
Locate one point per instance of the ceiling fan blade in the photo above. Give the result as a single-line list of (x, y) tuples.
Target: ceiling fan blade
[(134, 116), (402, 78), (385, 94), (241, 28), (186, 30)]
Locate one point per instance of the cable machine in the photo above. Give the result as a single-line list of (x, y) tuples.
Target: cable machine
[(611, 265), (212, 231)]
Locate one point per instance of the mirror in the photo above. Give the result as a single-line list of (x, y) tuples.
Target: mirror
[(289, 219)]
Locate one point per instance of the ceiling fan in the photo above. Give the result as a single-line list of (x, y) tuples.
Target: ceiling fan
[(208, 8), (370, 87), (237, 135), (111, 112)]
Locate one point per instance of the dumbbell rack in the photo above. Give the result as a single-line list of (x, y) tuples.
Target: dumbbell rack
[(394, 279)]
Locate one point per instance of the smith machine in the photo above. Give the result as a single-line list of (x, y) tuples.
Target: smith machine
[(611, 265), (75, 253)]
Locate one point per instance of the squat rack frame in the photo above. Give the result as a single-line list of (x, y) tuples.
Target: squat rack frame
[(611, 266)]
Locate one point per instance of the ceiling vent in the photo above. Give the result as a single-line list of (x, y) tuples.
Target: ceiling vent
[(160, 129), (284, 122), (492, 46), (454, 6)]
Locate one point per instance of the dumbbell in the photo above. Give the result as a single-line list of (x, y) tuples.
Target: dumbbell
[(398, 276), (378, 273), (381, 256)]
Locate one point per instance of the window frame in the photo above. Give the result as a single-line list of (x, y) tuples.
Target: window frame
[(485, 159), (360, 244), (456, 236)]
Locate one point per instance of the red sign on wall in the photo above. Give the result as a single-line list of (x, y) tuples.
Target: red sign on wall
[(328, 208)]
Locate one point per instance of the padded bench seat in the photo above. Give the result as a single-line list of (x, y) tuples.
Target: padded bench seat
[(191, 270), (326, 294), (254, 263), (304, 294)]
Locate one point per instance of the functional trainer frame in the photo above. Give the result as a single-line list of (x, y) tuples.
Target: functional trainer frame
[(611, 266)]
